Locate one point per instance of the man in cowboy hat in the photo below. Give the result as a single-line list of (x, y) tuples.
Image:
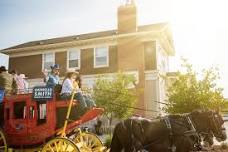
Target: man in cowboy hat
[(7, 82), (52, 78)]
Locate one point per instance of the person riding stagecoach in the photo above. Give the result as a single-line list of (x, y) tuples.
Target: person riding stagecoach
[(40, 118), (52, 78), (7, 82)]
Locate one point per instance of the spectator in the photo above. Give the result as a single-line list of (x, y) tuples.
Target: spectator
[(7, 82), (52, 78)]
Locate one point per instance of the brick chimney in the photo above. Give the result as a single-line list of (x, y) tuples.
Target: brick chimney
[(127, 17)]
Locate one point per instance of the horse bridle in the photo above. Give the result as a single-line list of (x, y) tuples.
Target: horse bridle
[(215, 121)]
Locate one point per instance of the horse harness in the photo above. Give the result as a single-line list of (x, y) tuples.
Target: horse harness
[(191, 132), (136, 144), (167, 121), (171, 147)]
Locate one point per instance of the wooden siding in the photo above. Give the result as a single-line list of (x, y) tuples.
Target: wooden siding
[(61, 59), (87, 62), (150, 55), (31, 66)]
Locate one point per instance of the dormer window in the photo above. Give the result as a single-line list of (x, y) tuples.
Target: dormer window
[(101, 57)]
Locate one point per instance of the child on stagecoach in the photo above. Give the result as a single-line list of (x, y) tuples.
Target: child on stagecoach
[(68, 86), (87, 97), (21, 82)]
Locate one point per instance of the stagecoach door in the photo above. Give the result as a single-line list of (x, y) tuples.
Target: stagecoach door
[(16, 117)]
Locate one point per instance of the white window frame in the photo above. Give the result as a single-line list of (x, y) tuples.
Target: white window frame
[(43, 58), (94, 57), (79, 60)]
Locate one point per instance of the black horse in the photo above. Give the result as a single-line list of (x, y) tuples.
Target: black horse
[(215, 125), (178, 133)]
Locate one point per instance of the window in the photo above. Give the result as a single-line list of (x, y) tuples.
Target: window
[(48, 60), (42, 112), (19, 110), (101, 57), (31, 112), (73, 59), (150, 58)]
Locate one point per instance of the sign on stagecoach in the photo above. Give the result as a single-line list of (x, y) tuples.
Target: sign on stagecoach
[(42, 93), (2, 93)]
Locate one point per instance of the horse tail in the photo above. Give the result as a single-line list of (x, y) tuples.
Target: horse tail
[(116, 145)]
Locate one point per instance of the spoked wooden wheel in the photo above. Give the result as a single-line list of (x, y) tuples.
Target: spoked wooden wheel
[(3, 145), (88, 142), (60, 145)]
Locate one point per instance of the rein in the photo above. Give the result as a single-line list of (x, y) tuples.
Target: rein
[(167, 121)]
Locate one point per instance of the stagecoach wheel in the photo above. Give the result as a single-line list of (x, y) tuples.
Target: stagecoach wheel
[(3, 145), (88, 142), (60, 145)]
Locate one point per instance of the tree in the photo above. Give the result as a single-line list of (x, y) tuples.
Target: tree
[(115, 96), (189, 93)]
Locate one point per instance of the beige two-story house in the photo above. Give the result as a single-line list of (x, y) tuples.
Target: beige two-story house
[(139, 50)]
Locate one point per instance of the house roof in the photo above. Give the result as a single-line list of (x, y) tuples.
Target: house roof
[(64, 39), (87, 36)]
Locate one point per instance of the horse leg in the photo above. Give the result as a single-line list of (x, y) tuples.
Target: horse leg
[(124, 138), (208, 140), (128, 149), (121, 138), (184, 144), (116, 145)]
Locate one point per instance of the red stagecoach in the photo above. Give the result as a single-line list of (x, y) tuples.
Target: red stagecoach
[(26, 121)]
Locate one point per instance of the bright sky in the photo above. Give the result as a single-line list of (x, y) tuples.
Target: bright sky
[(200, 27)]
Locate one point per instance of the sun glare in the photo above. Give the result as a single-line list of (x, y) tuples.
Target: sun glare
[(200, 29)]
